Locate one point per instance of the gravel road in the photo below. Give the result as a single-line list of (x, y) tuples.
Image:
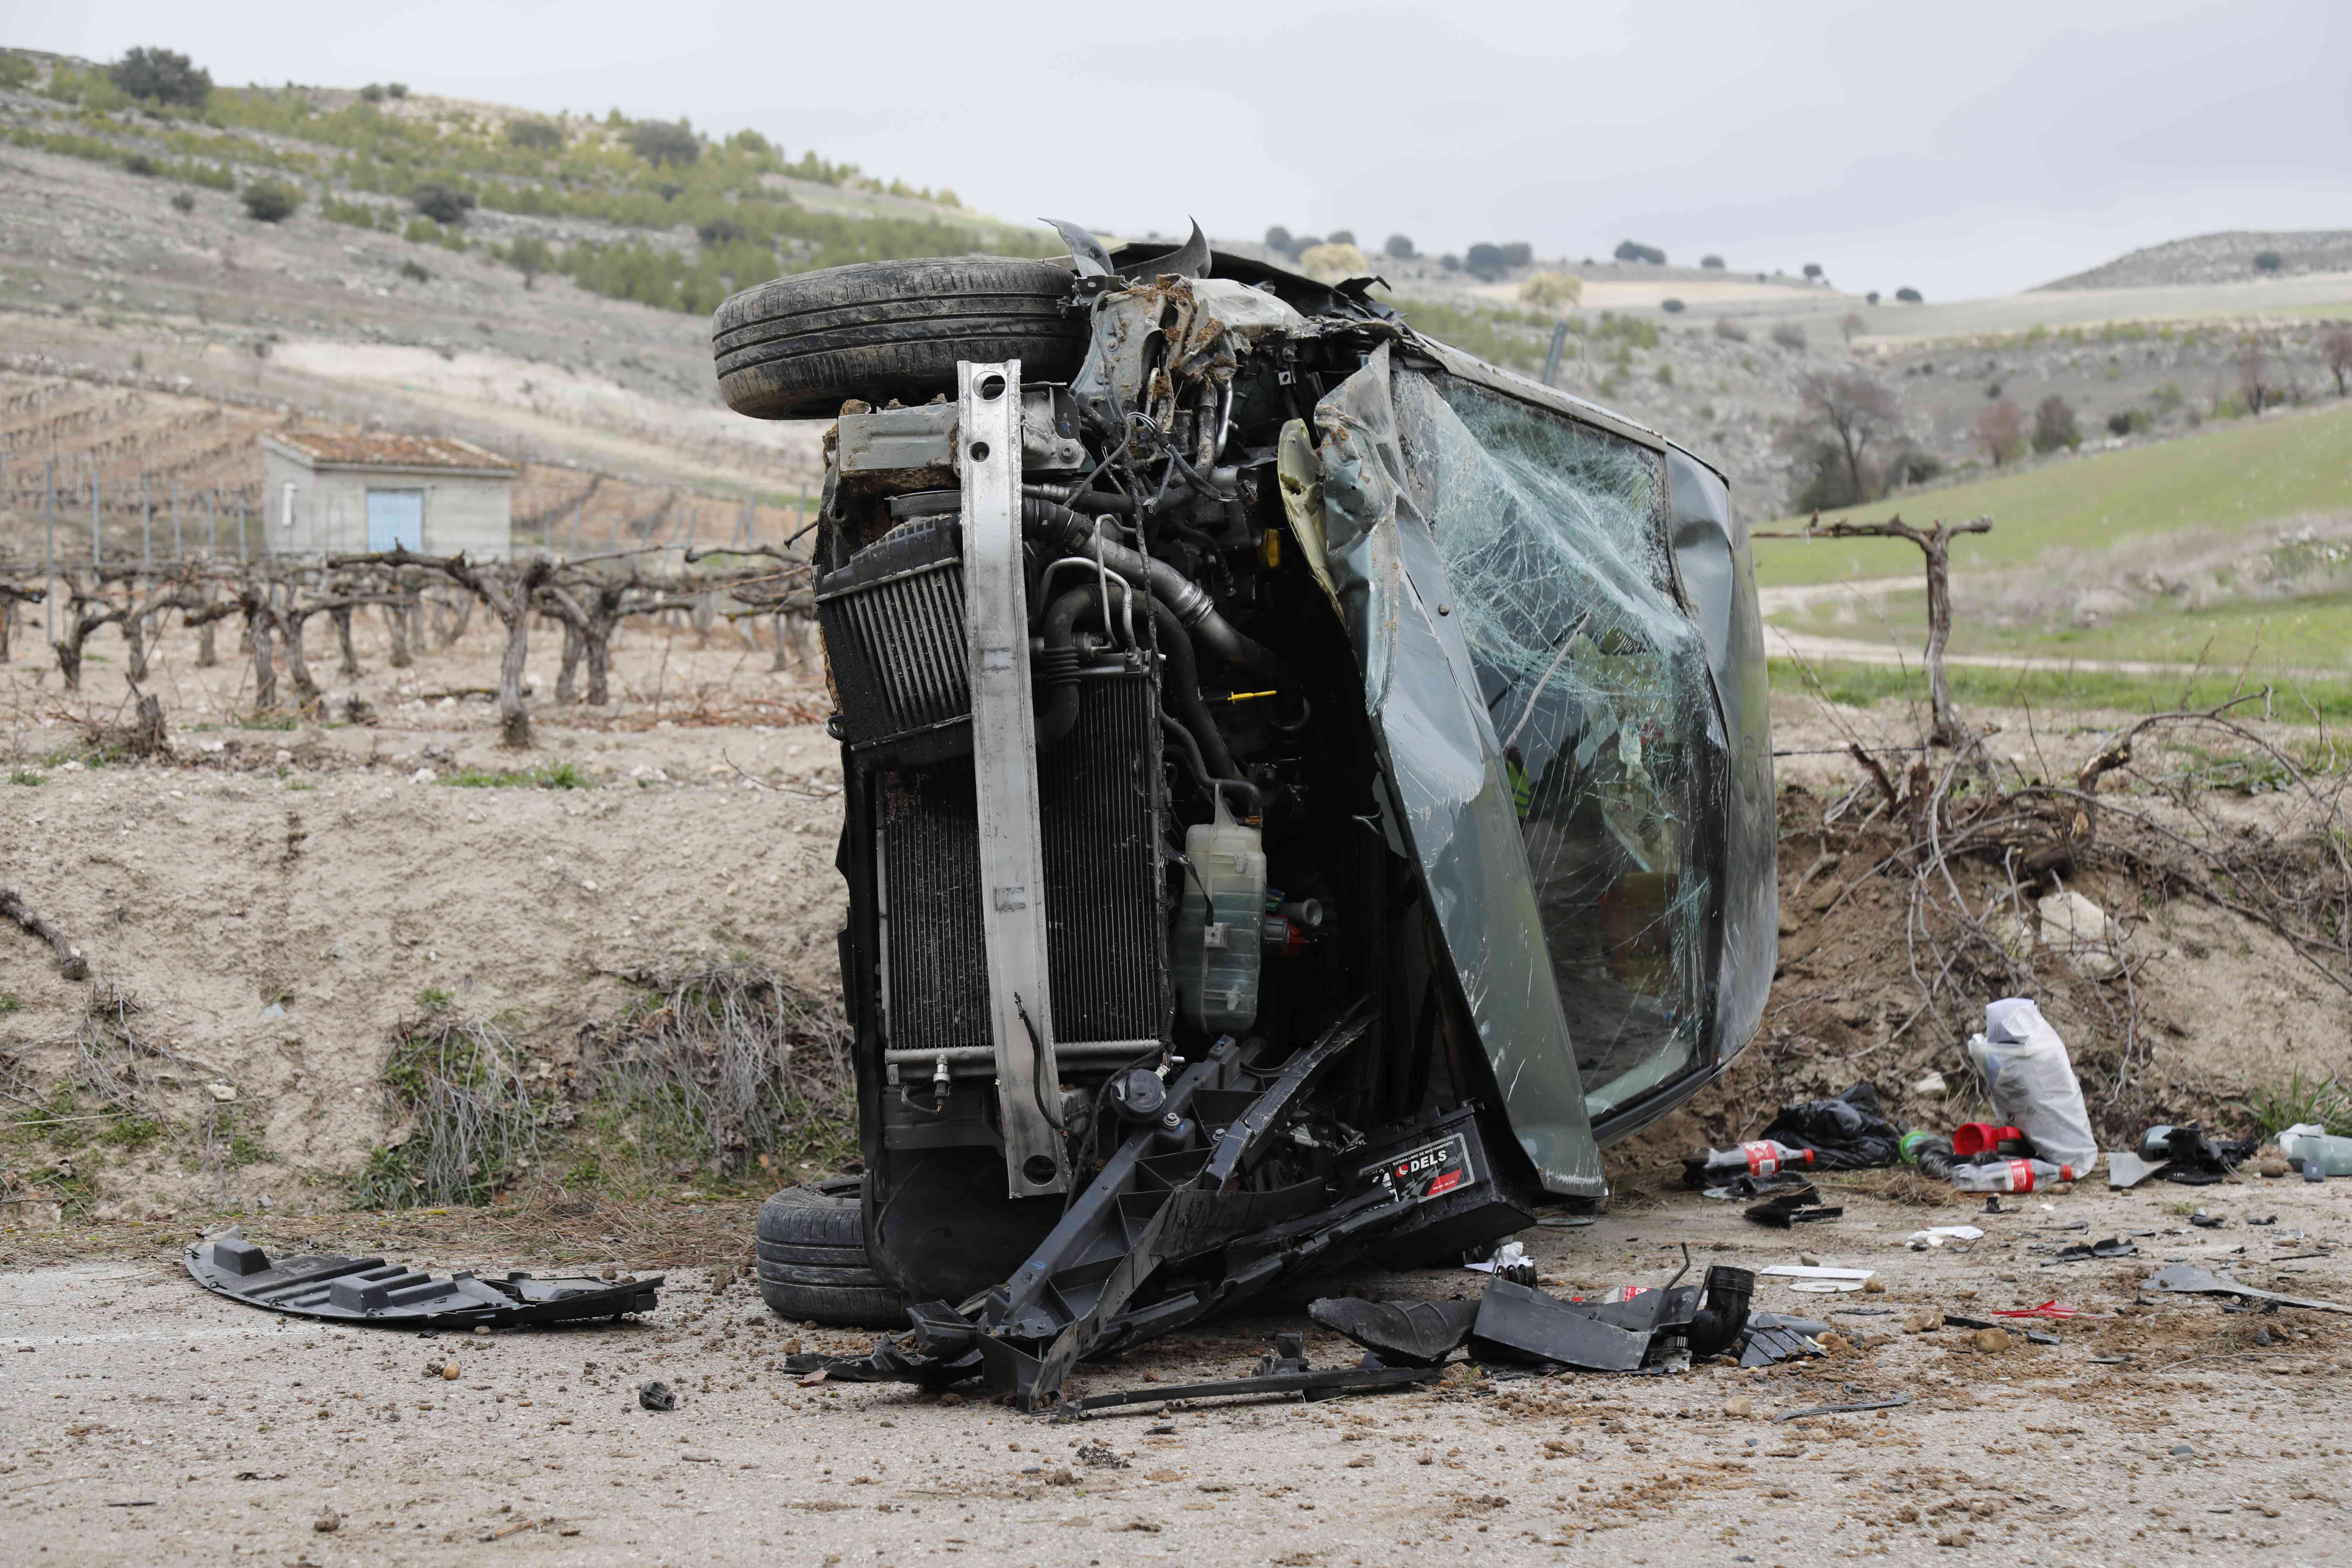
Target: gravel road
[(149, 1420)]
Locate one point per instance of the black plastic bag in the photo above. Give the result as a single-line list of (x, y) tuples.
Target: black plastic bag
[(1848, 1133)]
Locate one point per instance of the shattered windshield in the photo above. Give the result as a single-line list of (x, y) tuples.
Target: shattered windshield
[(1595, 683)]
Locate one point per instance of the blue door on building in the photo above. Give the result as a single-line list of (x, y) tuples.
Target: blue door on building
[(396, 518)]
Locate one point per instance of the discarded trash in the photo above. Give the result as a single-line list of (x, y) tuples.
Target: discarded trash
[(1932, 1087), (2187, 1156), (2047, 1310), (2306, 1143), (1970, 1139), (657, 1396), (1932, 1152), (2187, 1279), (1625, 1330), (1402, 1333), (1850, 1132), (1981, 1326), (1936, 1235), (1760, 1186), (1800, 1204), (1510, 1262), (2009, 1176), (1859, 1405), (370, 1290), (2083, 1251), (2125, 1169), (1757, 1159), (1819, 1281), (2204, 1221), (2032, 1083)]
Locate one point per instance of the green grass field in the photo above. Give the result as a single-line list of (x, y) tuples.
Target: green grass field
[(1863, 685), (2228, 476), (2260, 634)]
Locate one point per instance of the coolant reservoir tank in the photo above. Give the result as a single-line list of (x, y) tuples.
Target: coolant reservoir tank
[(1218, 940)]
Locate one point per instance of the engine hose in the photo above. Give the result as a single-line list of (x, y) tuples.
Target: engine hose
[(1072, 534), (1181, 690)]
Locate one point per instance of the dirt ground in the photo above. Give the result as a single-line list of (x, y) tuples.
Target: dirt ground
[(150, 1420)]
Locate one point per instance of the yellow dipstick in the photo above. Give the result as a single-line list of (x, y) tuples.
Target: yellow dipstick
[(1244, 696)]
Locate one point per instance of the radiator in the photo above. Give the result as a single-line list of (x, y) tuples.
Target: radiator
[(1107, 949), (893, 621)]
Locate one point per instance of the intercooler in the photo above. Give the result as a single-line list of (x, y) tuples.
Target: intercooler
[(1106, 955)]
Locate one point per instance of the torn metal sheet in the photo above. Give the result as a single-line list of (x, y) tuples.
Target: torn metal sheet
[(340, 1288), (2125, 1169), (2187, 1279)]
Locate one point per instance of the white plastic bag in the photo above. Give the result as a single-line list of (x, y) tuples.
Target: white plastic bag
[(2032, 1083)]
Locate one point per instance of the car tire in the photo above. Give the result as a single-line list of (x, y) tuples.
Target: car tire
[(800, 346), (813, 1263)]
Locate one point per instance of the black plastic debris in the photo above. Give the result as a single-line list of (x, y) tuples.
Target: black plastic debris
[(1776, 1337), (1793, 1206), (1850, 1132), (1626, 1331), (2187, 1156), (1402, 1333), (1749, 1186), (2032, 1336), (2084, 1251), (657, 1396), (1282, 1375), (340, 1288), (1857, 1406)]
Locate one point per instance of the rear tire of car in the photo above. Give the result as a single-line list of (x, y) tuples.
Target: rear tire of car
[(799, 346), (813, 1263)]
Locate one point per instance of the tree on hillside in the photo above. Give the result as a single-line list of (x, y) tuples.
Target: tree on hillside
[(1812, 271), (2000, 431), (1853, 326), (665, 141), (1401, 247), (2254, 374), (530, 257), (161, 76), (2054, 425), (538, 135), (1854, 411), (269, 201), (1554, 291), (2338, 347), (1634, 250), (1485, 261)]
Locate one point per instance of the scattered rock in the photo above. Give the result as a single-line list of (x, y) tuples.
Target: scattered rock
[(1991, 1341), (657, 1396), (1102, 1456), (449, 1370), (2273, 1165), (1923, 1322), (1743, 1405), (1932, 1087), (1874, 1286), (327, 1524), (1061, 1475)]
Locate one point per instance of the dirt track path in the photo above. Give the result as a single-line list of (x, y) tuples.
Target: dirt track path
[(151, 1420)]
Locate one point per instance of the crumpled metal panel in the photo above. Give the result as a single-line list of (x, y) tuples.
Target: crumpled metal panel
[(1205, 323), (1444, 776), (1719, 573)]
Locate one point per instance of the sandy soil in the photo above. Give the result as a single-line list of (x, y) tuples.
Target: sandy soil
[(150, 1420)]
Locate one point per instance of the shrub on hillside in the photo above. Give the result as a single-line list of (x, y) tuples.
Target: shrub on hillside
[(161, 76), (269, 201), (530, 257), (415, 272), (139, 164), (665, 141), (395, 90), (1730, 330), (184, 201), (1340, 236), (1812, 271), (536, 135), (372, 93), (1909, 296), (1671, 306), (441, 203), (1634, 250), (1712, 263), (719, 231), (1790, 335), (1483, 260), (1333, 262), (2269, 261), (1401, 247), (1278, 239)]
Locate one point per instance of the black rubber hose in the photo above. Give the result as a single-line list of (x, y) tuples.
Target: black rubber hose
[(1181, 690), (1057, 666), (1075, 535)]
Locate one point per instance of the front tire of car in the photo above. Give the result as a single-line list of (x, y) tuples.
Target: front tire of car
[(813, 1263)]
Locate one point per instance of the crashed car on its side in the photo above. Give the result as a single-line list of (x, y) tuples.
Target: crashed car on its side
[(1305, 790)]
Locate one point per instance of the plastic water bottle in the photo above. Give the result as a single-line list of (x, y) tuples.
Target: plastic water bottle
[(1761, 1158), (2332, 1155), (2010, 1175)]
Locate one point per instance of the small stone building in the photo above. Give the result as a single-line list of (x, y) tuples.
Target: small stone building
[(325, 493)]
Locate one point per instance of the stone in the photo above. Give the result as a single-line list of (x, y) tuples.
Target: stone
[(1932, 1087), (327, 1522), (1741, 1407), (1991, 1341), (449, 1370), (2079, 932)]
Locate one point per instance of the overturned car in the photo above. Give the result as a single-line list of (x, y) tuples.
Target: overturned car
[(1306, 790)]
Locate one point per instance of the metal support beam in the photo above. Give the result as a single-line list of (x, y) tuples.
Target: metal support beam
[(1004, 767)]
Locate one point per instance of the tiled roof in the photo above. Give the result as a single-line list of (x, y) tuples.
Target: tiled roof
[(381, 448)]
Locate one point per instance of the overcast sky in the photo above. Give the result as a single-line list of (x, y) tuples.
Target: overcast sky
[(1963, 151)]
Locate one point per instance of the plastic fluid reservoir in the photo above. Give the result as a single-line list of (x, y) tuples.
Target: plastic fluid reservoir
[(1218, 939)]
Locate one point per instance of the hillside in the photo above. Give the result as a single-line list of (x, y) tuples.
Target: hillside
[(2228, 258)]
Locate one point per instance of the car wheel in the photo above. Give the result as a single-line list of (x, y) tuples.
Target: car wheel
[(799, 346), (813, 1264)]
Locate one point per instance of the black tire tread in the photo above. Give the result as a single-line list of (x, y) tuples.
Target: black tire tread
[(800, 345), (812, 1261)]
